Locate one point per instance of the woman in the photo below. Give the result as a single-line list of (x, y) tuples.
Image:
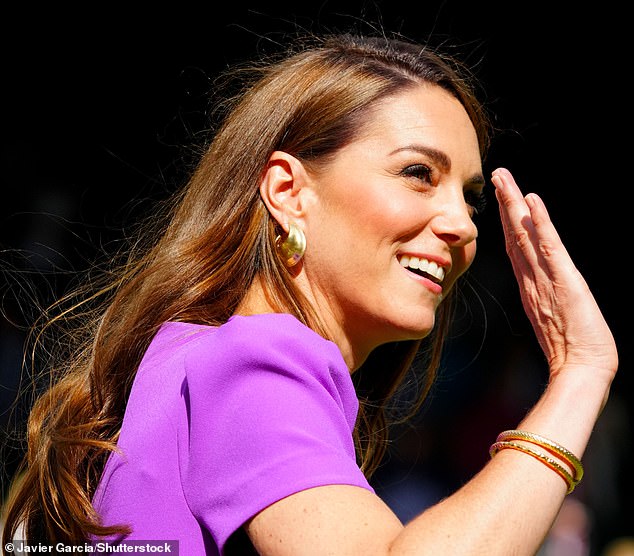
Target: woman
[(232, 394)]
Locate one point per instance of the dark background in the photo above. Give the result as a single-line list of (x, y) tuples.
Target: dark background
[(99, 109)]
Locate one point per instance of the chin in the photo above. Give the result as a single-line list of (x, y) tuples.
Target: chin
[(413, 330), (419, 334)]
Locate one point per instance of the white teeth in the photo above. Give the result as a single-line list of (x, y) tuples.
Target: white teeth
[(430, 267)]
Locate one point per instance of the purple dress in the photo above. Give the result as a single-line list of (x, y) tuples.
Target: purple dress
[(224, 421)]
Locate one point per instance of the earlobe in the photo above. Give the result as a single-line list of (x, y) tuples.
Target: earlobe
[(281, 188)]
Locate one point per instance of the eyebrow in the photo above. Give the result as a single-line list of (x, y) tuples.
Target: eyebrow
[(442, 160)]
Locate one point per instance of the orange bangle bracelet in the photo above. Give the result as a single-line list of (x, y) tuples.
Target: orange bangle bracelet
[(544, 458), (555, 449)]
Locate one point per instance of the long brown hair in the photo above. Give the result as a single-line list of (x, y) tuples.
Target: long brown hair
[(217, 238)]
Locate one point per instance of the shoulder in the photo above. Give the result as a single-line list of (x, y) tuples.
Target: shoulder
[(270, 412), (272, 344), (270, 333), (252, 336)]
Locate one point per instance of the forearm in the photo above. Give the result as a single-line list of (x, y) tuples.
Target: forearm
[(510, 505)]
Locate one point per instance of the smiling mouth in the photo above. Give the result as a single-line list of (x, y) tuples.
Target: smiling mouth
[(423, 267)]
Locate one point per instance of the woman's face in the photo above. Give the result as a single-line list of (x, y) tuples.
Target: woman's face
[(390, 224)]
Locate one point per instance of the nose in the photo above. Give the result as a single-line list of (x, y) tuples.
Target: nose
[(453, 222)]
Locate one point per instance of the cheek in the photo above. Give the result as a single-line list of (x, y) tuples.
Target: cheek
[(463, 258), (389, 217), (368, 219)]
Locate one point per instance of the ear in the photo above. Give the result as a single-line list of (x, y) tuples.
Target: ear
[(282, 188)]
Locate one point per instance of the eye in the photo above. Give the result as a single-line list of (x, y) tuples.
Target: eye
[(418, 171), (476, 201)]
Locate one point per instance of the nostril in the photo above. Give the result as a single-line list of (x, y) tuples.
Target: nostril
[(455, 231)]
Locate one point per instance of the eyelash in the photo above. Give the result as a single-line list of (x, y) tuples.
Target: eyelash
[(419, 171), (475, 199)]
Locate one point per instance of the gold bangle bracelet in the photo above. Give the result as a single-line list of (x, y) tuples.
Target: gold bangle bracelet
[(556, 449), (544, 458)]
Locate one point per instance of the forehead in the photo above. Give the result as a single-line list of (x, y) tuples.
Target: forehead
[(427, 115)]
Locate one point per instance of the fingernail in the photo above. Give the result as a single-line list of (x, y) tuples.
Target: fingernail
[(532, 200), (498, 182)]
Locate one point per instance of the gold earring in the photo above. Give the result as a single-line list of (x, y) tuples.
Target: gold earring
[(292, 247)]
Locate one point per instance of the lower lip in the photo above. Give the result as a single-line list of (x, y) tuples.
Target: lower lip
[(432, 286)]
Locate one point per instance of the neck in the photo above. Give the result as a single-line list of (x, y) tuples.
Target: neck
[(257, 301)]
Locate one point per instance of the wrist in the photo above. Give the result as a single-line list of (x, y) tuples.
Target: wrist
[(584, 379), (569, 407)]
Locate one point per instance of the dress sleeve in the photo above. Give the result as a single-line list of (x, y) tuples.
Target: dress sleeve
[(271, 409)]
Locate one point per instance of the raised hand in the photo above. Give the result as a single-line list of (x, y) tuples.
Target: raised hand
[(568, 323)]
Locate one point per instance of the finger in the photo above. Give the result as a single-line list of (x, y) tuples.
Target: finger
[(540, 217), (549, 245), (508, 192), (516, 219)]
